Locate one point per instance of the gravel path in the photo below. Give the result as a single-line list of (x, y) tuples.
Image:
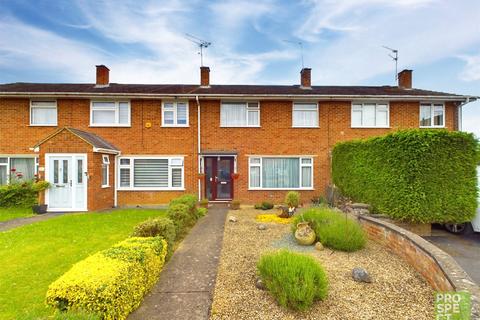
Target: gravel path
[(397, 291)]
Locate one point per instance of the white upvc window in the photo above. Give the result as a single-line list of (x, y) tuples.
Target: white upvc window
[(239, 114), (150, 173), (174, 114), (280, 173), (43, 113), (305, 115), (105, 171), (110, 114), (432, 115), (17, 168), (370, 115)]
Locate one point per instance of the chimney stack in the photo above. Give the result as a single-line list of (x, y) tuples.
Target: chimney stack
[(405, 79), (103, 76), (204, 77), (306, 78)]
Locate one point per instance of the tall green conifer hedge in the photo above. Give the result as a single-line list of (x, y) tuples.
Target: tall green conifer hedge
[(413, 175)]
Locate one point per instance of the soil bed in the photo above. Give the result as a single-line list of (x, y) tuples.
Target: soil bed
[(397, 291)]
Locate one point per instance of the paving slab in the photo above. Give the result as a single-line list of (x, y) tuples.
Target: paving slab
[(186, 284)]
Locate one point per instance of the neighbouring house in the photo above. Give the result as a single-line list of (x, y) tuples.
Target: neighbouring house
[(106, 144)]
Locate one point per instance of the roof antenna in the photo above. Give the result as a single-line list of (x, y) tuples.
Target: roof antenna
[(394, 58), (201, 43), (300, 44)]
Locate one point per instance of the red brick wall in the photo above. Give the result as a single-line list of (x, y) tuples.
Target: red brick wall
[(275, 137)]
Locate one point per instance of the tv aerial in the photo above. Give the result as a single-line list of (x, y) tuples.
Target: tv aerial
[(394, 56), (300, 44), (200, 43)]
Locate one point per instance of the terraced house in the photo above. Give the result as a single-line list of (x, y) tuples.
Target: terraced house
[(107, 144)]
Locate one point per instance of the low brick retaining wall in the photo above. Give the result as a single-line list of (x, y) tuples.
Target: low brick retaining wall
[(437, 267)]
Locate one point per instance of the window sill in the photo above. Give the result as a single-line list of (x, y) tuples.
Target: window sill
[(104, 187), (109, 125), (370, 127), (240, 126), (150, 189), (432, 127), (302, 127), (42, 125), (174, 126), (280, 189)]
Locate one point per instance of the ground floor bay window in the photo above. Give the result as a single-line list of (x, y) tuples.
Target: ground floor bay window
[(280, 173), (18, 168), (150, 173)]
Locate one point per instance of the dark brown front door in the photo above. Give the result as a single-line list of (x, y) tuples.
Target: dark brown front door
[(218, 178)]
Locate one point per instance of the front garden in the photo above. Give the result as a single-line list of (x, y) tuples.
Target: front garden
[(264, 273)]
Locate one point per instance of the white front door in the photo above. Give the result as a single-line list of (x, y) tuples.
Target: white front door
[(67, 176)]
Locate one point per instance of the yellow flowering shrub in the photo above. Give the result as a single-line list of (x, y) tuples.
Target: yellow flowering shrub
[(272, 218), (112, 282)]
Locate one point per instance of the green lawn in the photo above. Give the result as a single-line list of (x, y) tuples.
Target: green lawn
[(33, 256), (13, 213)]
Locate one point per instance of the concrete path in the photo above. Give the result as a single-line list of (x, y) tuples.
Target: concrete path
[(186, 284), (10, 224)]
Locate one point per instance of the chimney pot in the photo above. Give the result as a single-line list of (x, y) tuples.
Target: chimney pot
[(405, 79), (102, 75), (205, 77), (306, 78)]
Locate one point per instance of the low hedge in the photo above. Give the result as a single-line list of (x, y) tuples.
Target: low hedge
[(112, 282), (333, 229), (158, 227), (420, 176), (295, 280), (190, 200)]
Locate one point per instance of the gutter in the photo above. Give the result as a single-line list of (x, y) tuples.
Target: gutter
[(243, 96)]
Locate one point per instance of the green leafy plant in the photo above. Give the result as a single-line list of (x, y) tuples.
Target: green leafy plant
[(419, 176), (319, 201), (203, 203), (190, 200), (180, 215), (265, 205), (161, 227), (22, 194), (202, 212), (295, 280), (333, 229), (292, 199)]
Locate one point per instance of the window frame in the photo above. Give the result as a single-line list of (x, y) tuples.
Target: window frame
[(175, 114), (432, 113), (116, 108), (301, 165), (299, 103), (106, 165), (7, 164), (376, 103), (35, 107), (130, 166), (247, 108)]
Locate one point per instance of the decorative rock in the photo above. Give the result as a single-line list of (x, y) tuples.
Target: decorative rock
[(261, 226), (319, 246), (259, 284), (361, 275), (360, 206), (232, 219), (305, 234)]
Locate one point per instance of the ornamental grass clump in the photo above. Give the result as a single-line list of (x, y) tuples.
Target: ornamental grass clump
[(112, 282), (333, 229), (295, 280)]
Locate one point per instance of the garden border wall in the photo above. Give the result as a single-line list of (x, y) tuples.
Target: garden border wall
[(440, 270)]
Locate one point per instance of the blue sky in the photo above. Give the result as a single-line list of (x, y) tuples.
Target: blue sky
[(144, 42)]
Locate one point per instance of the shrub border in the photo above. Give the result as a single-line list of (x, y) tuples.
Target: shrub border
[(449, 276)]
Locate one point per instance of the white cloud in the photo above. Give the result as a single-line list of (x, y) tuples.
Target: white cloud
[(471, 71)]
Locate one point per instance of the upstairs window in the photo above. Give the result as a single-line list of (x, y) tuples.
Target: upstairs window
[(240, 114), (43, 113), (305, 115), (432, 115), (370, 115), (110, 114), (175, 114)]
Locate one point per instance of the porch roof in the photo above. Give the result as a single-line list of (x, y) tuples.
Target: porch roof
[(98, 143)]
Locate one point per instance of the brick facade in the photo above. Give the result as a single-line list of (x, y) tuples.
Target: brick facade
[(146, 137)]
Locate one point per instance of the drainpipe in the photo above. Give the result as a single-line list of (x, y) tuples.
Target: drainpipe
[(115, 191), (459, 125), (199, 147)]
